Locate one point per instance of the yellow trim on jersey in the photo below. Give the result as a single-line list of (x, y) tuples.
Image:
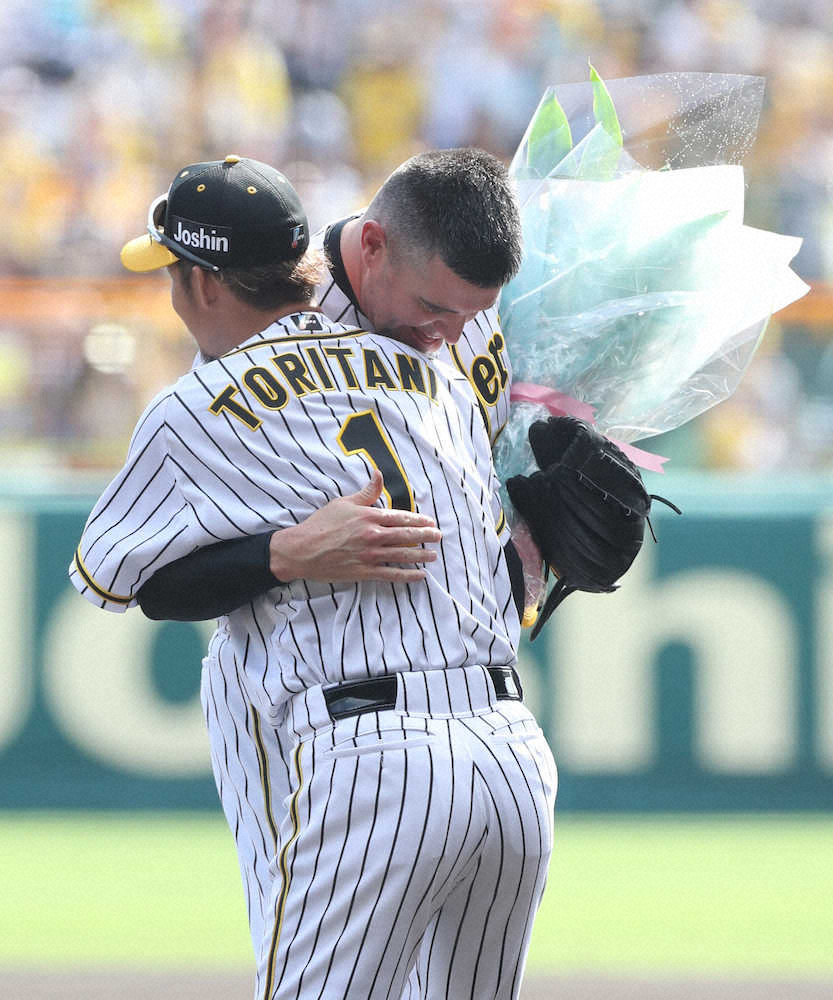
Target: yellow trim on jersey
[(498, 432), (87, 577), (281, 903), (294, 338), (501, 522), (263, 767), (385, 449)]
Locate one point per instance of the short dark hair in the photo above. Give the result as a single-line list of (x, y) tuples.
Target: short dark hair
[(457, 203), (271, 285)]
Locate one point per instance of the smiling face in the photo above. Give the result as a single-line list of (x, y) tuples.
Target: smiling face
[(416, 300)]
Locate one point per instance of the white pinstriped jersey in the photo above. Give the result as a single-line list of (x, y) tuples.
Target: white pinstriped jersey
[(480, 353), (269, 433)]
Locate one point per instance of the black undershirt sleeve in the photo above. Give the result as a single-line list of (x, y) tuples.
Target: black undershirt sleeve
[(219, 578), (516, 576), (209, 582)]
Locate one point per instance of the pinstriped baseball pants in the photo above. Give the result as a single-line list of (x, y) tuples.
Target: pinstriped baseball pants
[(251, 761), (426, 833)]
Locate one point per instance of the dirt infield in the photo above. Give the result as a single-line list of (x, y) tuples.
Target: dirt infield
[(125, 985)]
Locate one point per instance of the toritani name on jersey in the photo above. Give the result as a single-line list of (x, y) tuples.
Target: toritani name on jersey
[(266, 435)]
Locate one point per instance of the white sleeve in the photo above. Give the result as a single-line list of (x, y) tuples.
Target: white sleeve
[(140, 522)]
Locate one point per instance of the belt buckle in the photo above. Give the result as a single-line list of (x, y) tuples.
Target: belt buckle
[(507, 683), (512, 685)]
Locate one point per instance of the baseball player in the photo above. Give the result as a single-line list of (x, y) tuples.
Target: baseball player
[(420, 787), (461, 204)]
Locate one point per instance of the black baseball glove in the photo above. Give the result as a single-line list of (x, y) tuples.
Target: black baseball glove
[(586, 508)]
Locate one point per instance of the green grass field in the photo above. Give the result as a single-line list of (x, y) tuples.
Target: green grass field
[(711, 896)]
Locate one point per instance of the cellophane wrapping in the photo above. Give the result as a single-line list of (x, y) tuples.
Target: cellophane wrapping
[(642, 293)]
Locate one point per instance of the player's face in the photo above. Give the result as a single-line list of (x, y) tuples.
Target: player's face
[(421, 302)]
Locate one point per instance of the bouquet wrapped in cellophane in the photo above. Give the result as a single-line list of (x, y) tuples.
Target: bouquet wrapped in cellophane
[(642, 295)]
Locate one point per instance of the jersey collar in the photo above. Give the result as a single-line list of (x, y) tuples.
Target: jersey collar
[(332, 248)]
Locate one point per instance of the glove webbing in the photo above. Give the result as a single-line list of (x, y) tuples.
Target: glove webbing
[(667, 503)]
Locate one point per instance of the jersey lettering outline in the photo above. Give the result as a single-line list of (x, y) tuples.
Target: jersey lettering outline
[(363, 432)]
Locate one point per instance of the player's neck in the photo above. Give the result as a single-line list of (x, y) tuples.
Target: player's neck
[(350, 244), (259, 319)]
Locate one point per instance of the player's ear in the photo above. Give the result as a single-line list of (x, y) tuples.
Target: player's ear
[(205, 288), (373, 241)]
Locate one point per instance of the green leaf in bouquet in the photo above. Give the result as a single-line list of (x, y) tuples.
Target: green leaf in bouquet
[(602, 146), (603, 110), (641, 292), (597, 157), (550, 138)]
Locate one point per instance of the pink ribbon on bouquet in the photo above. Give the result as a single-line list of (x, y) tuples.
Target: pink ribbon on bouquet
[(561, 405)]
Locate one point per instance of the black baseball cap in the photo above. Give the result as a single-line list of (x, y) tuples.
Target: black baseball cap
[(234, 213)]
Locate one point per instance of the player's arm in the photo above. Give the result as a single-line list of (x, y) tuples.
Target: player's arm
[(516, 577), (209, 582), (346, 540)]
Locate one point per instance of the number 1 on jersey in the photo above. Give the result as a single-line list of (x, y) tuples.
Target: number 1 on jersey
[(362, 432)]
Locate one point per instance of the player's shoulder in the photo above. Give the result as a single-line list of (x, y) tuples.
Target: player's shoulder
[(149, 431), (334, 294), (303, 326)]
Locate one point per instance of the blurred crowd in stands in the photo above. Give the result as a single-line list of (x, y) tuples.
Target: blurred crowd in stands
[(101, 101)]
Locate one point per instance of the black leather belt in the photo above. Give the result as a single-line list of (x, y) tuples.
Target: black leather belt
[(378, 693)]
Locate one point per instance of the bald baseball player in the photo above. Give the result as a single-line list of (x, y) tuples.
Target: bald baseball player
[(292, 414)]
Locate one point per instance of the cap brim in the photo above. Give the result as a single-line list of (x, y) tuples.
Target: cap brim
[(145, 254)]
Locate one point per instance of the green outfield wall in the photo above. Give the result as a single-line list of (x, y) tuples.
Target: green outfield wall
[(704, 683)]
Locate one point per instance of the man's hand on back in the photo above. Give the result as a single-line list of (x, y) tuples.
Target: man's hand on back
[(351, 539)]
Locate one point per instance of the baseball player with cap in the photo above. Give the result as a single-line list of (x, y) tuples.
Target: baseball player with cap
[(420, 787), (460, 205)]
